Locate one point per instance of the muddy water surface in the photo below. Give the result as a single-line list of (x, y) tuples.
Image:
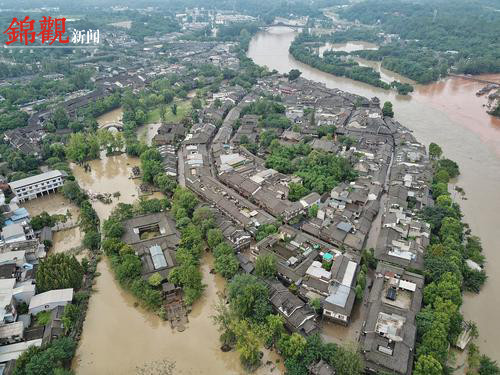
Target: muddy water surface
[(56, 204), (110, 174), (347, 46), (115, 115), (147, 132), (120, 338), (448, 113)]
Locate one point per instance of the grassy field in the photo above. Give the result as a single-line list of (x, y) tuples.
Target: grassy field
[(183, 109)]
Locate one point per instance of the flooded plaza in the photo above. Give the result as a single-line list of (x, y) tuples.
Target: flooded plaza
[(120, 338), (109, 175), (63, 240)]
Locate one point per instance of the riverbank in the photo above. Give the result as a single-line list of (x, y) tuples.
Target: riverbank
[(448, 113)]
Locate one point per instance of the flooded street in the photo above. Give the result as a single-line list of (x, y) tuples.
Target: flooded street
[(448, 113), (146, 132)]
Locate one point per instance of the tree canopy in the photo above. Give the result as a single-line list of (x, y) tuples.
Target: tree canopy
[(59, 271)]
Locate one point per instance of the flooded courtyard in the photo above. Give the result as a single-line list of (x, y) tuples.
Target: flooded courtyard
[(55, 204), (109, 175)]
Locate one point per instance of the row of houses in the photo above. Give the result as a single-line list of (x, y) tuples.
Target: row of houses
[(318, 269)]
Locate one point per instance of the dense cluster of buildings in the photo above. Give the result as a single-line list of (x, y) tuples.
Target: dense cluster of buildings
[(21, 250), (320, 255)]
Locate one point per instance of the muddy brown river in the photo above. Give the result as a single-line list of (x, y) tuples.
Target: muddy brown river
[(448, 113)]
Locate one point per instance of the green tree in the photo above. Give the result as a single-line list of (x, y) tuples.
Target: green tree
[(112, 228), (315, 303), (387, 109), (214, 237), (435, 151), (46, 359), (247, 344), (42, 220), (165, 183), (82, 147), (313, 211), (59, 271), (347, 361), (428, 365), (447, 288), (265, 266), (441, 176), (155, 279), (184, 199), (273, 329), (227, 265), (294, 74), (196, 103), (488, 367), (60, 118), (72, 191), (204, 218), (248, 298), (92, 240), (189, 277), (70, 316), (292, 346), (450, 166)]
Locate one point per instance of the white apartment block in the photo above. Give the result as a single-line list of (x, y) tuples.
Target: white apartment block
[(36, 186)]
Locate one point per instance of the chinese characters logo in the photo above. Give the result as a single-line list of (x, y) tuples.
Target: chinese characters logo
[(23, 31), (51, 30)]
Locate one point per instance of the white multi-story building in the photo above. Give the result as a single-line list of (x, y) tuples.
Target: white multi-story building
[(36, 186)]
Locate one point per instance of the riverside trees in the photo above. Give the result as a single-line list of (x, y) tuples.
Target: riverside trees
[(439, 323)]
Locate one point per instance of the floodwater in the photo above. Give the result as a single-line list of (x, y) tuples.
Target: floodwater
[(121, 338), (109, 175), (449, 113), (347, 46), (55, 204), (147, 132), (114, 115), (385, 75)]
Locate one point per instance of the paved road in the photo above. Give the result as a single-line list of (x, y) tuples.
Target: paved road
[(180, 169)]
